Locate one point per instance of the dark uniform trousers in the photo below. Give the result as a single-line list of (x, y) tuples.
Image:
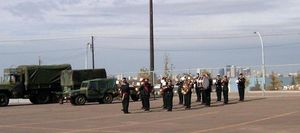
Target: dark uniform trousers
[(207, 96), (180, 95), (202, 91), (203, 96), (198, 93), (225, 94), (125, 103), (219, 93), (164, 100), (169, 100), (187, 99), (145, 101), (241, 92)]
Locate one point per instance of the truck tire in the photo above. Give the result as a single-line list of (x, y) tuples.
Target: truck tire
[(134, 97), (80, 100), (40, 99), (4, 100), (108, 98), (100, 101), (72, 101), (32, 99)]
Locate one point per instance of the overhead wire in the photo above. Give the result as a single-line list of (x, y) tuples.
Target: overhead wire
[(144, 49), (135, 37)]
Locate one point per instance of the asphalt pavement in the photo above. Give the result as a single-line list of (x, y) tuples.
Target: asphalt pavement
[(271, 113)]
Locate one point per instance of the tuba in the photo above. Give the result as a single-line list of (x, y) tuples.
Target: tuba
[(186, 87)]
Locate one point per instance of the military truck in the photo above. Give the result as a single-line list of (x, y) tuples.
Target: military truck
[(72, 79), (39, 83), (102, 90)]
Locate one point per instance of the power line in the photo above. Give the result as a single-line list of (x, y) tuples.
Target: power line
[(158, 37), (42, 51), (144, 49), (41, 39)]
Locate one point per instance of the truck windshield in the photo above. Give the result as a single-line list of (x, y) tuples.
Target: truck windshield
[(8, 78), (84, 85)]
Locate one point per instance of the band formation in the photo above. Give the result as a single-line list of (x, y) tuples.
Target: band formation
[(201, 83)]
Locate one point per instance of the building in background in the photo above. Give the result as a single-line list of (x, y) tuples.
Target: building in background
[(222, 71)]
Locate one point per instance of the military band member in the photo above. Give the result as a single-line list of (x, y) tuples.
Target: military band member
[(225, 82), (125, 92), (186, 90), (180, 85), (219, 88), (145, 91), (207, 89), (202, 90), (241, 86), (169, 95), (198, 87), (163, 86)]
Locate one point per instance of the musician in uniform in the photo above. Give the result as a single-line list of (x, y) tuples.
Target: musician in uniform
[(145, 91), (179, 90), (169, 95), (207, 89), (186, 90), (198, 87), (225, 82), (125, 92), (241, 86), (139, 93), (163, 85), (219, 88), (202, 90)]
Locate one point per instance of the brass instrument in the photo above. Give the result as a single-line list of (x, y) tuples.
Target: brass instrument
[(186, 87)]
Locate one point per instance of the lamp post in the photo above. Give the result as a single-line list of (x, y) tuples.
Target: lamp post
[(263, 62), (151, 39)]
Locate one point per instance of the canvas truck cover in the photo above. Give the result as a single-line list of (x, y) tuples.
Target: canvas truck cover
[(43, 75), (75, 77)]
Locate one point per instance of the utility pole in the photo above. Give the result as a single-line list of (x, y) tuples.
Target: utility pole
[(151, 39), (88, 46), (93, 52), (40, 61)]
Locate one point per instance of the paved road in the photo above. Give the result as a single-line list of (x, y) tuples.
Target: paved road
[(257, 114)]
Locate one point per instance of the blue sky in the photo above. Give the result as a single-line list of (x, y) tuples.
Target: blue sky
[(194, 33)]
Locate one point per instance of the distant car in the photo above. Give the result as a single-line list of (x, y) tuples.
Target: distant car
[(157, 89)]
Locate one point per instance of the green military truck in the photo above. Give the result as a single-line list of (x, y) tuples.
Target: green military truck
[(102, 90), (72, 79), (39, 83)]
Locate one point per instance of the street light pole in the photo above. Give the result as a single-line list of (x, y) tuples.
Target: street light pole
[(263, 61), (151, 39)]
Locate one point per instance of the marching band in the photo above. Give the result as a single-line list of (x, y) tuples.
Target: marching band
[(202, 85)]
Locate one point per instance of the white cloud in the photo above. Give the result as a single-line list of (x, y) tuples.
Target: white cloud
[(27, 19)]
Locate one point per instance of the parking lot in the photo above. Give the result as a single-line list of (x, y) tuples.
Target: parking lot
[(275, 112)]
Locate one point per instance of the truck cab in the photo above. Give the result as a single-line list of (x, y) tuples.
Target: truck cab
[(38, 83), (97, 90), (11, 86)]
